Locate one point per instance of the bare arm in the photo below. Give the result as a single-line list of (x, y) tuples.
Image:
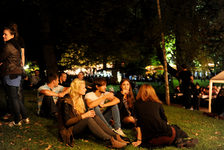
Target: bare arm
[(23, 56), (48, 93), (65, 91), (92, 104), (139, 137), (112, 102)]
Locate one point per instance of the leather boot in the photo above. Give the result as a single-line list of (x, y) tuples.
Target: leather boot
[(118, 137), (117, 144)]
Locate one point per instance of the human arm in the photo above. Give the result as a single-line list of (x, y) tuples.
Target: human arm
[(65, 91), (162, 113), (112, 102), (73, 120), (93, 103), (139, 137), (48, 93), (23, 56)]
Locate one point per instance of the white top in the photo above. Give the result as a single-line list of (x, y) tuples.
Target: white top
[(92, 96), (57, 89)]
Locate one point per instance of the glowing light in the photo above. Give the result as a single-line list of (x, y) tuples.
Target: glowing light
[(26, 67)]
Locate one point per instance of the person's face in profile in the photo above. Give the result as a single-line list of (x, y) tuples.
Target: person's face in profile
[(80, 76), (7, 35)]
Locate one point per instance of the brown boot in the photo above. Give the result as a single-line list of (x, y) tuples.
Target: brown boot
[(118, 137), (117, 144)]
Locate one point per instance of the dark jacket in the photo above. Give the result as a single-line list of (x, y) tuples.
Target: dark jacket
[(67, 117), (11, 59), (151, 119), (123, 111)]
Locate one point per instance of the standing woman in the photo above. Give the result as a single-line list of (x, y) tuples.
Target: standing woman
[(152, 125), (10, 61), (127, 99), (73, 118)]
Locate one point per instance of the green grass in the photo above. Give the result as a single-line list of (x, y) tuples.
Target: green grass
[(41, 133)]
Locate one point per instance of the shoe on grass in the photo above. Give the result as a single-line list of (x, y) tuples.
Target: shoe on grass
[(120, 132), (26, 121), (12, 124)]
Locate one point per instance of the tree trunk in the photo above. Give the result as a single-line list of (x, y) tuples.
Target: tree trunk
[(46, 39), (164, 58)]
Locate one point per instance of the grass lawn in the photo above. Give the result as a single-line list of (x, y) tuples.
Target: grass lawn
[(41, 133)]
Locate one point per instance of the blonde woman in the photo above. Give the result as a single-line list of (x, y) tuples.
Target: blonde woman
[(152, 125), (73, 118)]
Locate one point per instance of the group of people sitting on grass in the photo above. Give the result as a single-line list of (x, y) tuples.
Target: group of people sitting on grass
[(104, 113)]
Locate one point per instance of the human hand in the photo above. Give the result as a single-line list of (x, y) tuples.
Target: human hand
[(109, 96), (137, 143), (61, 94), (125, 92), (101, 105), (89, 114)]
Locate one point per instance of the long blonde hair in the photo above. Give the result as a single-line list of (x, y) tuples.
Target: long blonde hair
[(147, 92), (77, 99)]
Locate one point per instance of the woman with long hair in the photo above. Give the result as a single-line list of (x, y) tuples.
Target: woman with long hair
[(11, 71), (127, 99), (152, 126), (74, 119)]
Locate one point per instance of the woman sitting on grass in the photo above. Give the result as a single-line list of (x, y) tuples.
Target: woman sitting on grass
[(73, 118), (152, 126), (127, 99)]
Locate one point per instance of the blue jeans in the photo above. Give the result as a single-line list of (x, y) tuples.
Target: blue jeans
[(17, 105), (111, 112)]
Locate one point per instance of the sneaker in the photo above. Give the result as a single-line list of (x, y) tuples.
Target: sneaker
[(26, 121), (120, 132), (11, 124)]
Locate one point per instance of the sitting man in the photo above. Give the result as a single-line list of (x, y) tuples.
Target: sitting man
[(35, 80), (48, 95), (63, 79), (105, 104)]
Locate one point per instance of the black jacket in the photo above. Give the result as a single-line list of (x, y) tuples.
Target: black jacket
[(11, 58), (151, 119)]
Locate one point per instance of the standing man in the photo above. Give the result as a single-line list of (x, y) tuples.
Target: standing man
[(186, 85), (105, 104)]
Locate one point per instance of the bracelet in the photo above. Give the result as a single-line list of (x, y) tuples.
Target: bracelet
[(139, 140)]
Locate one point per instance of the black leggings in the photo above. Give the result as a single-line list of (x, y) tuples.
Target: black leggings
[(96, 126)]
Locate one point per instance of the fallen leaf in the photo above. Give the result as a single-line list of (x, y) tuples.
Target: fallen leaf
[(217, 132), (49, 146), (29, 139), (19, 136)]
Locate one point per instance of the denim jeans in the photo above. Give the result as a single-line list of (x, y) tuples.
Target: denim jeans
[(111, 112), (17, 105)]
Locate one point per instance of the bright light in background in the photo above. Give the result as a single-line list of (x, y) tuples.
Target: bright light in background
[(119, 77), (26, 67)]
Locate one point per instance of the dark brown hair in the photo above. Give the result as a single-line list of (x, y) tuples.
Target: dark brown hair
[(98, 82), (130, 96)]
